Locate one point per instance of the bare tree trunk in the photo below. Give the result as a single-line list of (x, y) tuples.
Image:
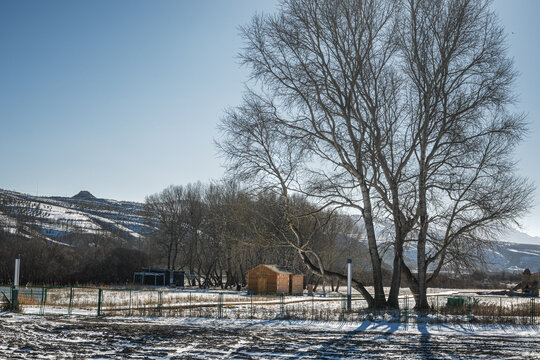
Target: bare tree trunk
[(379, 301), (393, 296)]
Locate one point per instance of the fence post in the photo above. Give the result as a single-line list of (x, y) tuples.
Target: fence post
[(70, 300), (282, 307), (406, 308), (43, 300), (251, 316), (160, 302), (468, 308), (343, 307), (312, 307), (531, 306), (220, 305), (12, 300), (190, 304), (130, 303), (100, 294)]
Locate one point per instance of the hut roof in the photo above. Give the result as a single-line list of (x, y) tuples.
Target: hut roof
[(275, 268)]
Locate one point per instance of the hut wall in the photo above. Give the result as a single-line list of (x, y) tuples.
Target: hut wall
[(296, 284), (262, 280), (282, 283)]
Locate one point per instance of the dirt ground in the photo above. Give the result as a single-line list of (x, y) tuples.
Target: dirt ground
[(34, 337)]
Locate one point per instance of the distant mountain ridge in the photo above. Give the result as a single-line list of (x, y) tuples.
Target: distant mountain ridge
[(511, 251), (519, 237), (503, 256), (55, 218)]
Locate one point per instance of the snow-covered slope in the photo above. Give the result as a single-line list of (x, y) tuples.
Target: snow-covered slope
[(56, 218), (518, 237), (502, 256), (511, 251), (514, 257)]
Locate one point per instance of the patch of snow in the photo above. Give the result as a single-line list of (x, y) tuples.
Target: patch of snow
[(523, 252)]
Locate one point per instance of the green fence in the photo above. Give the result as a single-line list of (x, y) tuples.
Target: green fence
[(239, 305)]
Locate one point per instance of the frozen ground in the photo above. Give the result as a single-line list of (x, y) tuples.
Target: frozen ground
[(35, 337)]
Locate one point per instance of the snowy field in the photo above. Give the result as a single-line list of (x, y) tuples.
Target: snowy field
[(64, 337)]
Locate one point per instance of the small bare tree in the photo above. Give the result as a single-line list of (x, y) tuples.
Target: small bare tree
[(166, 212)]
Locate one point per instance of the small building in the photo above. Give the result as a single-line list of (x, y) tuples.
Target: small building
[(159, 277), (265, 279)]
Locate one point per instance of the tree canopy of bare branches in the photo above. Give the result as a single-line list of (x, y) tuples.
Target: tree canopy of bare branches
[(398, 109)]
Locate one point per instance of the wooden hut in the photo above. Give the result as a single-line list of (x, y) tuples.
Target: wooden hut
[(265, 279), (268, 279)]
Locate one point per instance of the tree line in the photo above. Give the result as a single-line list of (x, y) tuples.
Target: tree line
[(45, 263), (218, 231), (215, 232)]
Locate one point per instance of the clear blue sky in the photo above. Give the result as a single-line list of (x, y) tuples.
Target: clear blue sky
[(122, 98)]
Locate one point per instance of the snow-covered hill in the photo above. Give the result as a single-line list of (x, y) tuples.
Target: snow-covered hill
[(519, 237), (513, 257), (511, 251), (57, 218), (60, 219), (502, 256)]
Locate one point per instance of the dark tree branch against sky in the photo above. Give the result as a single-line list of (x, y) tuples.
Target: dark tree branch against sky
[(123, 98)]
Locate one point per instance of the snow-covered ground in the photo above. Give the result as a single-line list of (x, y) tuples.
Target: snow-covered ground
[(240, 305), (38, 337)]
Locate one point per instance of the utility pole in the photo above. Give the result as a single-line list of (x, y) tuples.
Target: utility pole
[(349, 276), (15, 292)]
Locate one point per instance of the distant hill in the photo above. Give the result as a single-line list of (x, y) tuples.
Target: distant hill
[(56, 218), (514, 257), (84, 195), (503, 256), (512, 251), (518, 237)]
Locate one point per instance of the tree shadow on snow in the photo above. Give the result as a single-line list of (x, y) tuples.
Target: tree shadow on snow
[(356, 342), (351, 343)]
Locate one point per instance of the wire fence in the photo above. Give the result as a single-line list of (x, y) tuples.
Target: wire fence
[(241, 305)]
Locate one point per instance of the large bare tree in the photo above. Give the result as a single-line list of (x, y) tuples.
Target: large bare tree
[(398, 109), (459, 80)]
